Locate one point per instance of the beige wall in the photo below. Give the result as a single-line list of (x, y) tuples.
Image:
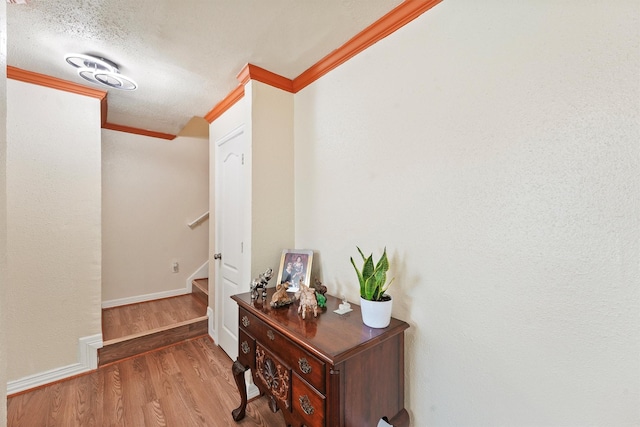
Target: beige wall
[(272, 175), (3, 212), (152, 188), (493, 148), (53, 226)]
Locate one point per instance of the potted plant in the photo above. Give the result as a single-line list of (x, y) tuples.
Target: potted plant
[(374, 302)]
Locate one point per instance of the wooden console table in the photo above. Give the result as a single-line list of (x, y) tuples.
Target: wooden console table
[(330, 371)]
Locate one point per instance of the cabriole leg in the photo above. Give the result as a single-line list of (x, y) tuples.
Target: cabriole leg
[(238, 370)]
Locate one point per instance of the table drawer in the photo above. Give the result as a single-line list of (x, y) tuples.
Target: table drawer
[(306, 365), (249, 322), (246, 349), (308, 403)]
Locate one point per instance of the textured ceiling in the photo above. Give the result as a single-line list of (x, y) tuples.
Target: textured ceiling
[(184, 55)]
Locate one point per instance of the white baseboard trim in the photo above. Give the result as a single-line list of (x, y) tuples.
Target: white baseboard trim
[(87, 361), (212, 331), (146, 297), (88, 350), (200, 273), (252, 391)]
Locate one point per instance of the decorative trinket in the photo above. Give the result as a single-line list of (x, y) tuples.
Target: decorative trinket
[(260, 284), (343, 308), (308, 300), (280, 297), (320, 291)]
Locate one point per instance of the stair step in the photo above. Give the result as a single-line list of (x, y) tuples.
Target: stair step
[(137, 328), (202, 285), (121, 348), (200, 288)]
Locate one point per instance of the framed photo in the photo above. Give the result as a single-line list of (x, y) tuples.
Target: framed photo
[(295, 268)]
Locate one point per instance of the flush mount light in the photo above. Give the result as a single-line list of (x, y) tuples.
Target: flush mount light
[(100, 71)]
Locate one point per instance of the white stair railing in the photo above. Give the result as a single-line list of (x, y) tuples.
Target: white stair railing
[(198, 220)]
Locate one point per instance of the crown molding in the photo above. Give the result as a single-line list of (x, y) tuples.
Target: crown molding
[(138, 131), (60, 84), (67, 86), (53, 82), (104, 107), (400, 16), (222, 106), (404, 13), (248, 72), (253, 72)]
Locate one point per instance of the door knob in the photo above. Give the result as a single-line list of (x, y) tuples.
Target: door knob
[(217, 256)]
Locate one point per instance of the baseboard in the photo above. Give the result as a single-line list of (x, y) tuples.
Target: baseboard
[(87, 361), (252, 391), (146, 297), (212, 331), (88, 350), (200, 273)]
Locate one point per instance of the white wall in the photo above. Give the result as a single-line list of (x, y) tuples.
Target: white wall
[(3, 212), (493, 148), (53, 226), (152, 188)]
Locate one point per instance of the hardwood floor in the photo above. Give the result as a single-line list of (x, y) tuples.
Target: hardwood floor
[(118, 322), (187, 384)]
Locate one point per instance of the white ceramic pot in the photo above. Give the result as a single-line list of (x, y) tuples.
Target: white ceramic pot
[(376, 314)]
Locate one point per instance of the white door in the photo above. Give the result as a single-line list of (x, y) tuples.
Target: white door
[(229, 234)]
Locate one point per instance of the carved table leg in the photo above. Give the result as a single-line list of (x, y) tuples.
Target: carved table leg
[(272, 404), (238, 370)]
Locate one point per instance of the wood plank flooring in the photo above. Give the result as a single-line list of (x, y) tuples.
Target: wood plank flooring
[(187, 384), (126, 320)]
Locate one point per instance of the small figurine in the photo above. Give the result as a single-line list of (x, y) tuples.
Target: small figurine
[(280, 297), (322, 300), (260, 283), (319, 287), (320, 291), (343, 308), (307, 298)]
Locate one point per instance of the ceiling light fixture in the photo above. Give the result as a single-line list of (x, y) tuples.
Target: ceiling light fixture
[(100, 71)]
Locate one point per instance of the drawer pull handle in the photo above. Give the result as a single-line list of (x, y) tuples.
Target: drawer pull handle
[(245, 347), (271, 335), (304, 365), (305, 404), (245, 321)]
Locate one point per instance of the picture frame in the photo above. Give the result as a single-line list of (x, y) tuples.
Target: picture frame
[(295, 268)]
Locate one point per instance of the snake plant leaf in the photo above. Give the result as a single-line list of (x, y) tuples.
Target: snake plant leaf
[(360, 278), (384, 289), (370, 288), (383, 263), (364, 258), (367, 268), (380, 279)]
